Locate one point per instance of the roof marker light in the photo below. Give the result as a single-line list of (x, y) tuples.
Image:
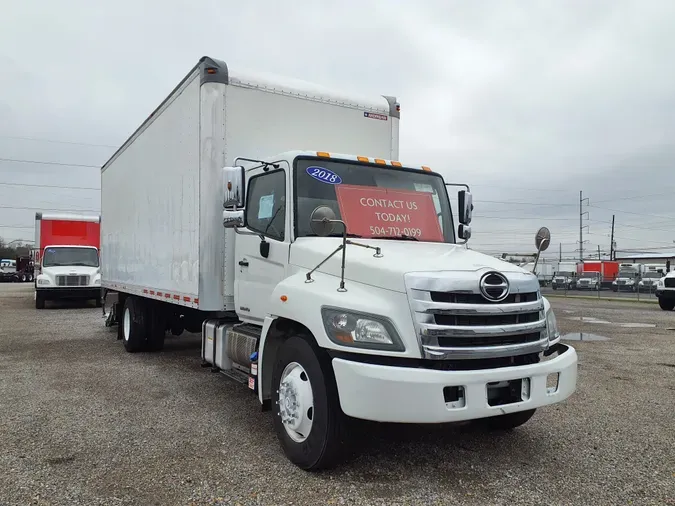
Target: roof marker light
[(396, 164), (362, 159), (425, 168), (323, 154), (380, 161)]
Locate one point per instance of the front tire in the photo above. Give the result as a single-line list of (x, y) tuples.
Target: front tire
[(666, 304), (39, 301), (509, 421), (306, 410)]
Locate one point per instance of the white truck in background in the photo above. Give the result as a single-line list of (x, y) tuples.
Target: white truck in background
[(628, 278), (66, 257), (274, 218)]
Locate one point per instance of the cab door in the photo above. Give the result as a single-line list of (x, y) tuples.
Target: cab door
[(262, 251)]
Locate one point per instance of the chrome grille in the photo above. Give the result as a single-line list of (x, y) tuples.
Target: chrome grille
[(454, 320), (72, 280)]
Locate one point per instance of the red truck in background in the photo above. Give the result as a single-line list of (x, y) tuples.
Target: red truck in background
[(596, 275), (67, 257)]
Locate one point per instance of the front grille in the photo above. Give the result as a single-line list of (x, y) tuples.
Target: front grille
[(454, 320), (72, 280), (621, 282), (490, 340), (669, 282)]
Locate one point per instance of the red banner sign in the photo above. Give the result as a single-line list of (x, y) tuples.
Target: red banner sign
[(370, 211)]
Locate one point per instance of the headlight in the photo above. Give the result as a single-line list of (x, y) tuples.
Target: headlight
[(660, 283), (43, 281), (614, 282), (97, 281), (360, 330), (641, 283), (552, 327)]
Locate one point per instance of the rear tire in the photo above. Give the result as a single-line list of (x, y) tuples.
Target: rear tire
[(313, 440), (509, 421), (666, 304), (133, 332), (156, 327)]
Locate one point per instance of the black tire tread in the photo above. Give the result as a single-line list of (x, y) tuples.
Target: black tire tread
[(509, 421)]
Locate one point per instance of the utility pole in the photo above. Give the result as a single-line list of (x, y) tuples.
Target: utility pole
[(581, 225), (599, 257), (560, 258), (612, 253)]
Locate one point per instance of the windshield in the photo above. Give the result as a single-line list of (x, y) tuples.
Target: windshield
[(629, 273), (374, 201), (564, 274), (55, 257), (657, 275)]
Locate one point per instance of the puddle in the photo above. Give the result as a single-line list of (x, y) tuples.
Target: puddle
[(583, 336), (638, 325), (589, 319)]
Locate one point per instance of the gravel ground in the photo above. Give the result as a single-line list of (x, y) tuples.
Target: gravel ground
[(84, 422)]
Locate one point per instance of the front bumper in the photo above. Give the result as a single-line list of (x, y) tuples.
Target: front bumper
[(414, 395), (73, 292), (666, 294)]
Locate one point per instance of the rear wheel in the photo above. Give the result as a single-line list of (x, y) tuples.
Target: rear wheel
[(133, 332), (156, 327), (306, 410), (666, 304), (508, 421)]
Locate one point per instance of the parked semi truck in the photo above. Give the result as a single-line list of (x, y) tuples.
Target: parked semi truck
[(275, 218), (66, 257), (566, 276)]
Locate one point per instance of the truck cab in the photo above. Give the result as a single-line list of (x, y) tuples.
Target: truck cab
[(589, 281), (358, 296), (628, 278), (68, 272), (665, 291)]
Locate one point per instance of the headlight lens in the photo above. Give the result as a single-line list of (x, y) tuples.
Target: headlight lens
[(43, 281), (360, 330), (552, 327), (614, 282), (660, 283), (97, 281)]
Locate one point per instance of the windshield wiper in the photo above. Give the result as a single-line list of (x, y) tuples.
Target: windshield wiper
[(402, 236)]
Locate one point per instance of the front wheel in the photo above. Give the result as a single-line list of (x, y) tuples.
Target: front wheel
[(306, 410), (666, 304), (508, 421)]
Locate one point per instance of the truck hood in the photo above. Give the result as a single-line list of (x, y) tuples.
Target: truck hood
[(70, 270), (398, 258)]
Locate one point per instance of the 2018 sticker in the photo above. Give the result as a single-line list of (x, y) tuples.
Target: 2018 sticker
[(324, 175)]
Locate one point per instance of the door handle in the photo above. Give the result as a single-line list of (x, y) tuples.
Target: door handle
[(243, 263)]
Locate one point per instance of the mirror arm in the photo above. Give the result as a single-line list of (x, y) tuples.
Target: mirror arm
[(309, 274)]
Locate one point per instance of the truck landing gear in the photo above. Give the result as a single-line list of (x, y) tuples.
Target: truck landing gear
[(305, 407)]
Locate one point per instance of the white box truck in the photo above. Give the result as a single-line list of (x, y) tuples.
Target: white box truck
[(274, 217)]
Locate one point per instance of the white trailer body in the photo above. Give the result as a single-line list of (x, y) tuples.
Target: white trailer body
[(230, 211), (161, 192)]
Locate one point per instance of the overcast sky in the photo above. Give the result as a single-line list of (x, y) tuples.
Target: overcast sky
[(528, 102)]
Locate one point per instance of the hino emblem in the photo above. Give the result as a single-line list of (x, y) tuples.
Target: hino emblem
[(494, 286)]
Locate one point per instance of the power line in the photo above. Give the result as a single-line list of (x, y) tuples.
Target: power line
[(17, 160), (637, 214), (669, 194), (524, 218), (37, 139), (511, 202), (16, 226), (52, 186)]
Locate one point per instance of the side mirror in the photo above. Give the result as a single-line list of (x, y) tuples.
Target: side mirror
[(465, 204), (233, 219), (233, 180), (322, 221), (464, 232)]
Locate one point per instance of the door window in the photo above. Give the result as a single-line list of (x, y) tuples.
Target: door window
[(266, 209)]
